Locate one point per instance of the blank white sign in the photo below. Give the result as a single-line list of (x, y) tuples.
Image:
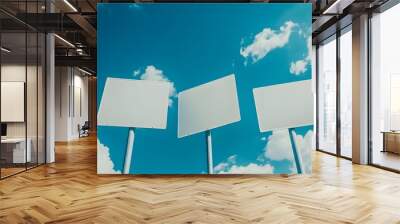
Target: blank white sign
[(134, 103), (208, 106), (12, 101), (284, 105)]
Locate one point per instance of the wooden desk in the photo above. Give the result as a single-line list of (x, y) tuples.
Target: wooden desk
[(13, 150), (391, 141)]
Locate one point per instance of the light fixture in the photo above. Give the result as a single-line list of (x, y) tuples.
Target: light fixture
[(337, 7), (70, 5), (331, 7), (5, 50), (84, 71), (64, 40)]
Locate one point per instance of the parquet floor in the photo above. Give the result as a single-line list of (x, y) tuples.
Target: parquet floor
[(69, 191)]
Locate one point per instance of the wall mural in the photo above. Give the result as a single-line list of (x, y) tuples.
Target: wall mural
[(204, 89)]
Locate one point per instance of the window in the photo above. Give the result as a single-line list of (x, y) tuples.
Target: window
[(346, 92), (327, 95), (385, 89)]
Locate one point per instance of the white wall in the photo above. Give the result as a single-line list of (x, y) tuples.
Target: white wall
[(61, 103), (79, 117), (70, 84)]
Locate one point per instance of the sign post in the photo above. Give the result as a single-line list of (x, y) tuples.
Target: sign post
[(285, 106), (208, 106), (129, 149), (133, 104), (209, 152)]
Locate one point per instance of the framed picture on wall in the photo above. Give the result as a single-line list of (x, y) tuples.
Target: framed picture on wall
[(210, 58)]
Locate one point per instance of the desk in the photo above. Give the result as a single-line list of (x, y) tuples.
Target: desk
[(13, 150), (391, 141)]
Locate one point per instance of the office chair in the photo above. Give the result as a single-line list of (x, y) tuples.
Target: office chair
[(84, 130)]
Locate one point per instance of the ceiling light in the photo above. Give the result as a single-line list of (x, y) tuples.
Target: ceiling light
[(337, 7), (333, 6), (70, 5), (5, 50), (65, 41), (84, 71)]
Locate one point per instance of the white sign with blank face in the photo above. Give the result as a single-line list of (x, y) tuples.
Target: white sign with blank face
[(208, 106), (134, 103), (284, 105), (12, 101)]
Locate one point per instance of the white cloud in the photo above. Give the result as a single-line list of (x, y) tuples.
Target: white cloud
[(300, 66), (221, 167), (305, 147), (230, 167), (278, 146), (225, 165), (136, 72), (266, 41), (155, 74), (251, 168), (104, 163)]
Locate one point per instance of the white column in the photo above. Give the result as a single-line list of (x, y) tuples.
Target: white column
[(50, 93), (360, 90), (50, 99)]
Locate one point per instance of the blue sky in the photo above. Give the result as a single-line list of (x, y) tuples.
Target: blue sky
[(191, 44)]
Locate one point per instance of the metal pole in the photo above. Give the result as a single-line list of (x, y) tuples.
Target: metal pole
[(209, 152), (296, 154), (129, 150)]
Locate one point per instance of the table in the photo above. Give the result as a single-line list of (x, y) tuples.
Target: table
[(13, 150), (391, 141)]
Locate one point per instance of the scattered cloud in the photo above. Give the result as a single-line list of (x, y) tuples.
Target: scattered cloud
[(278, 146), (305, 147), (104, 163), (136, 73), (300, 66), (230, 166), (251, 168), (266, 41), (155, 74), (225, 165)]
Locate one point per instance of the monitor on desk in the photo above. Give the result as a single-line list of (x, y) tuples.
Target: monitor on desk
[(3, 130)]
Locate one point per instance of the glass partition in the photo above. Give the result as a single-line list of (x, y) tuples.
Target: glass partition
[(31, 99), (14, 153), (41, 96), (22, 101)]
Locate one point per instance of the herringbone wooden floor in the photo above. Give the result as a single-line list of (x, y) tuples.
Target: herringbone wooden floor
[(69, 191)]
